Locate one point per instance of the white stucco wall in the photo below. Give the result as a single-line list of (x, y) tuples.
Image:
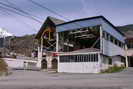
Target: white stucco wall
[(39, 59), (117, 61), (104, 62), (79, 67), (14, 63), (19, 63), (130, 52)]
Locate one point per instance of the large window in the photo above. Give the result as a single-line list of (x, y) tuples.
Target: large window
[(77, 39), (130, 45), (79, 58)]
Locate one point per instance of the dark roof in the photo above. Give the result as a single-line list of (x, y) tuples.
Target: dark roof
[(93, 18), (55, 20), (51, 21)]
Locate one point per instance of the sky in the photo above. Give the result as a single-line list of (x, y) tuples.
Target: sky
[(118, 12)]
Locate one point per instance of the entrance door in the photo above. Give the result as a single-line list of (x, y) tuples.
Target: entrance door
[(130, 61), (44, 64), (54, 64)]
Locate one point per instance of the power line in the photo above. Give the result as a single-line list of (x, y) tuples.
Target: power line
[(12, 4), (44, 7), (12, 11), (6, 5), (52, 11), (19, 20)]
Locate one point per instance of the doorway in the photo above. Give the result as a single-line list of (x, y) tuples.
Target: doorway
[(130, 61), (54, 64), (44, 64)]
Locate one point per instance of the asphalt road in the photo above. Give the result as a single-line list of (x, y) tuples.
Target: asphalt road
[(21, 79)]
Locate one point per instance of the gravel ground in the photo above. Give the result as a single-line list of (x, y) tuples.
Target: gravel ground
[(22, 79)]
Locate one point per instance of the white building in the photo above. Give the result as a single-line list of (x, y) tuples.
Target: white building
[(129, 50), (86, 45)]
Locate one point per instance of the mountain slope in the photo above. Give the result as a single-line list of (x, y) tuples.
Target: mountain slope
[(127, 29), (23, 45), (26, 44)]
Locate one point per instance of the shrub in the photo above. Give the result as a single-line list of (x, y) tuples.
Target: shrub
[(3, 67), (113, 69)]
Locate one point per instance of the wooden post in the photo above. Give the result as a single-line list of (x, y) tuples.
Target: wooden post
[(49, 36), (41, 44)]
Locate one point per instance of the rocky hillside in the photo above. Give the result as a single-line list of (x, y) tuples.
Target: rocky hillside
[(3, 67), (23, 45), (127, 29), (26, 44)]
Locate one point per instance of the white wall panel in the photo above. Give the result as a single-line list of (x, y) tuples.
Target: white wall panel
[(111, 49), (14, 63), (79, 67), (19, 63)]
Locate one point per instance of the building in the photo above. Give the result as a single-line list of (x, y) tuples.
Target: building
[(129, 50), (47, 44), (86, 45)]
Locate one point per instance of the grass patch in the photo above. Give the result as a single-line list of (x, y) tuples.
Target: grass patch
[(3, 67), (113, 69)]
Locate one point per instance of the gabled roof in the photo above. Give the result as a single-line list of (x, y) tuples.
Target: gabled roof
[(51, 21), (96, 17)]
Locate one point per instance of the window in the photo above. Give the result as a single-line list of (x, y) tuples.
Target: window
[(119, 43), (92, 57), (89, 57), (110, 61), (104, 34), (86, 58), (111, 39), (130, 45), (108, 38), (79, 58), (115, 42), (96, 57)]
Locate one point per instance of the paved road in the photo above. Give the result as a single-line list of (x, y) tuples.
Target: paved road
[(44, 80)]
